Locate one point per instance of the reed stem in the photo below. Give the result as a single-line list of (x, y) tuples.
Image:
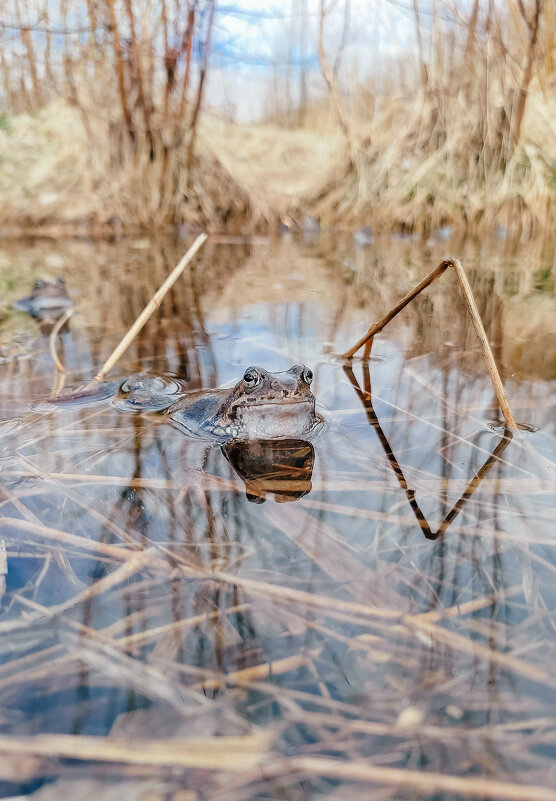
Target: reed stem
[(484, 343), (475, 318), (151, 307), (376, 327)]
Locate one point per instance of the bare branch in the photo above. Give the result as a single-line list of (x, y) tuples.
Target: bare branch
[(328, 77)]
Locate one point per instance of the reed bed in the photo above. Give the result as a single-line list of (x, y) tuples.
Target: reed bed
[(246, 179), (163, 638), (53, 178), (455, 128), (422, 164)]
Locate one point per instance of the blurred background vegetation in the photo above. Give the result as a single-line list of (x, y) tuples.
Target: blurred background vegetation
[(406, 115)]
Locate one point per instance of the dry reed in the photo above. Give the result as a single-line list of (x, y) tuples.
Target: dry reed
[(149, 309), (367, 339)]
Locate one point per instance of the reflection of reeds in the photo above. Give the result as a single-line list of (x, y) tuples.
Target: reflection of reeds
[(149, 309), (254, 650), (148, 644), (366, 399)]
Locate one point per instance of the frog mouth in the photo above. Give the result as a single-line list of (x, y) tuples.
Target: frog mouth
[(273, 402)]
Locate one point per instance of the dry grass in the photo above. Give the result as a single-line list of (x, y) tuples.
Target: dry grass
[(416, 166), (460, 132), (51, 174), (423, 163)]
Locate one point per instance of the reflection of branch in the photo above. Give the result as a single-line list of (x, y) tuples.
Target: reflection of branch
[(377, 327), (151, 307), (365, 397), (203, 334)]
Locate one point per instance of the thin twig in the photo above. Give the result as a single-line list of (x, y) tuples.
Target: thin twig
[(485, 345), (420, 782), (235, 754), (120, 69), (374, 329), (151, 307), (60, 322), (329, 79), (199, 98)]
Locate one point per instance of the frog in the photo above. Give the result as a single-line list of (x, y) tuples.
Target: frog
[(260, 406), (48, 298)]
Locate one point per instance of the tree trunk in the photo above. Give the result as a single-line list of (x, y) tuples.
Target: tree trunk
[(138, 70), (120, 69), (187, 45), (329, 79), (422, 65), (202, 76)]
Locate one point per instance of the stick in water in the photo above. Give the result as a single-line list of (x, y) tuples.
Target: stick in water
[(151, 306), (484, 343), (477, 324), (374, 329), (60, 322)]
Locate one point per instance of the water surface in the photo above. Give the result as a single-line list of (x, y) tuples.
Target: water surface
[(322, 620)]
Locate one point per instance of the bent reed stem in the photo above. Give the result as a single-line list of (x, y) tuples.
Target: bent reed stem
[(467, 293), (60, 322), (374, 329)]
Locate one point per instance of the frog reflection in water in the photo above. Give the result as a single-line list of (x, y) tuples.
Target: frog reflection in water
[(262, 405), (282, 468)]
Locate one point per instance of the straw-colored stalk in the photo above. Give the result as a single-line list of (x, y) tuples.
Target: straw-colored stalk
[(149, 309), (484, 343)]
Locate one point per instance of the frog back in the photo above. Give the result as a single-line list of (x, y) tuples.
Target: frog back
[(196, 412)]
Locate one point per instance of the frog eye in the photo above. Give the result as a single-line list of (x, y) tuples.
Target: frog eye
[(307, 376), (251, 377), (39, 283), (61, 281)]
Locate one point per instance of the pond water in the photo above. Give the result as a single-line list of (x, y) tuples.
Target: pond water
[(369, 609)]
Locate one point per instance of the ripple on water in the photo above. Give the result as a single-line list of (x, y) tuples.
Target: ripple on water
[(500, 425), (76, 396), (142, 392)]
